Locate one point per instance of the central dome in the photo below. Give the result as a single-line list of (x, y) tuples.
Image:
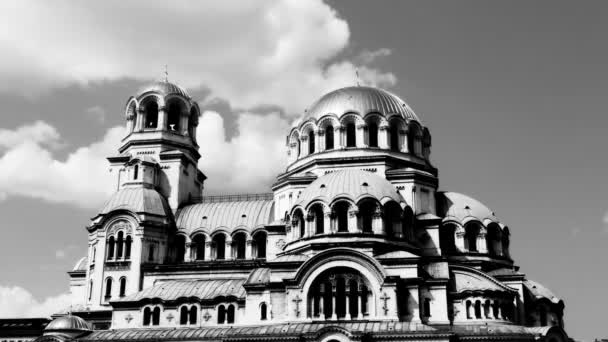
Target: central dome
[(360, 100)]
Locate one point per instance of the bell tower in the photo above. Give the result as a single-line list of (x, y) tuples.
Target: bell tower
[(161, 121)]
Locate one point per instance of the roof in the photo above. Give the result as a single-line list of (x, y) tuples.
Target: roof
[(138, 200), (361, 100), (246, 214), (68, 323), (539, 291), (352, 184), (259, 276), (467, 279), (172, 290), (165, 88), (504, 272), (460, 207), (81, 265)]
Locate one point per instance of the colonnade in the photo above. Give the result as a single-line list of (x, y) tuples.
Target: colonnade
[(343, 296)]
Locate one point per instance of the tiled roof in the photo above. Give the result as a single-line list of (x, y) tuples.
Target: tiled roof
[(504, 272), (291, 257), (171, 290), (138, 200), (248, 214), (259, 276), (539, 291), (353, 184)]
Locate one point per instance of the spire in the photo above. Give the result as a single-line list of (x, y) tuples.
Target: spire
[(166, 74), (357, 74)]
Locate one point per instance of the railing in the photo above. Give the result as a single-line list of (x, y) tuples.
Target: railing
[(234, 198)]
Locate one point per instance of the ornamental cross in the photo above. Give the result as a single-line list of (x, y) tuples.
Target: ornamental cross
[(385, 299), (297, 301), (170, 317), (128, 318), (207, 316)]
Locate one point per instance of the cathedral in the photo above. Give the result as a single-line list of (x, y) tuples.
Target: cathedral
[(354, 241)]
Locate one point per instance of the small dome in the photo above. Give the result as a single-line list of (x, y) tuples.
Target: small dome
[(361, 100), (138, 200), (165, 88), (81, 265), (460, 207), (352, 184), (68, 324)]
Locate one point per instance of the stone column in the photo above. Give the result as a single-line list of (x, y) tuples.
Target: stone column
[(334, 316), (188, 252), (228, 252), (320, 140), (360, 135), (361, 308), (322, 301), (139, 123), (405, 145), (378, 222), (183, 123), (310, 225), (327, 222), (208, 250), (341, 135), (459, 238), (248, 253), (130, 122), (352, 220), (414, 306), (482, 244), (403, 140), (347, 302), (162, 118), (303, 146), (383, 136), (490, 313)]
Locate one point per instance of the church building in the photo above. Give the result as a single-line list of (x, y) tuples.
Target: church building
[(354, 241)]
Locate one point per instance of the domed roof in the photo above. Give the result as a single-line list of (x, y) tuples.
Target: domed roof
[(138, 200), (81, 265), (352, 184), (165, 88), (68, 323), (361, 100), (461, 207)]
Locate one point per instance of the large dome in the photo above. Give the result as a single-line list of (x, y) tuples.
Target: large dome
[(360, 100)]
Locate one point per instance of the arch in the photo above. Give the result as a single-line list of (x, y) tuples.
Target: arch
[(128, 243), (147, 316), (180, 247), (174, 114), (263, 311), (367, 210), (414, 136), (329, 137), (193, 314), (471, 233), (317, 212), (298, 222), (108, 293), (119, 244), (311, 142), (230, 314), (260, 241), (111, 244), (156, 316), (198, 246), (494, 239), (351, 134), (341, 211), (221, 314), (393, 132), (239, 241), (150, 113), (218, 246), (122, 287)]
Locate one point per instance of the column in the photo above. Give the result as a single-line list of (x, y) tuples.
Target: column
[(130, 127), (327, 222), (187, 251), (319, 141), (352, 220), (360, 135), (303, 146), (377, 221), (490, 314), (405, 144), (248, 253), (334, 316), (208, 250), (310, 225), (162, 117), (183, 122), (347, 301), (340, 137), (459, 238), (383, 136), (228, 251), (139, 123), (322, 301), (482, 245), (360, 298)]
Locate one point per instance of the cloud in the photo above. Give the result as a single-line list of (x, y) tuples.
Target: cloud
[(96, 113), (367, 56), (38, 132), (277, 52), (29, 169), (16, 301)]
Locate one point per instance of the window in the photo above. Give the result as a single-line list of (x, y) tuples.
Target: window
[(230, 314), (351, 140), (135, 172), (542, 315), (427, 307), (478, 309), (119, 245), (199, 246), (219, 243), (311, 142), (147, 316), (470, 236), (221, 314), (123, 286), (341, 209), (317, 211), (180, 248), (329, 137), (151, 110), (469, 316), (183, 315), (447, 238), (372, 131), (366, 215), (108, 288), (259, 240), (238, 246), (263, 312), (394, 136), (193, 314), (156, 316), (111, 243), (128, 243), (174, 117)]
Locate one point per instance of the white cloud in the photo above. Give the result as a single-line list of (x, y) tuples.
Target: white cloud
[(251, 53), (16, 301), (38, 132), (247, 163), (30, 169), (96, 113)]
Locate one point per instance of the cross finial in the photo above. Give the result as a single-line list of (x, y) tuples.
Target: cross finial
[(357, 74), (166, 73)]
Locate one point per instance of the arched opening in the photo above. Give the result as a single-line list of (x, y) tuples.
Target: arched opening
[(427, 307), (128, 243), (394, 135), (392, 218), (151, 110), (119, 245), (341, 212), (407, 224), (329, 137), (183, 315), (494, 239), (156, 316), (311, 142), (135, 172), (221, 314), (123, 287), (351, 131), (495, 310), (414, 139), (505, 242), (372, 133), (108, 288), (447, 238), (174, 117), (477, 309), (298, 223), (471, 232), (468, 306), (317, 212), (219, 246), (487, 309), (263, 312), (147, 316), (111, 243), (259, 244), (199, 246), (230, 314), (180, 248), (238, 245), (193, 314), (367, 209), (339, 293)]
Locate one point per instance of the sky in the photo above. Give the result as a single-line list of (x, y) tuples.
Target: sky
[(513, 94)]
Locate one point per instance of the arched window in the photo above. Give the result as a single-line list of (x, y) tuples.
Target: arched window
[(119, 245), (329, 137), (135, 172), (341, 210), (156, 316), (238, 246), (174, 117), (351, 131), (263, 312), (147, 316), (180, 248), (108, 288), (477, 309), (311, 142), (469, 316), (111, 243), (427, 307), (219, 243), (495, 310), (392, 218), (414, 139), (221, 314), (470, 237), (338, 293), (505, 242), (317, 212), (183, 315), (447, 238), (199, 246), (128, 243), (193, 314), (123, 286), (367, 210), (372, 131), (259, 240), (230, 314), (394, 136), (151, 110)]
